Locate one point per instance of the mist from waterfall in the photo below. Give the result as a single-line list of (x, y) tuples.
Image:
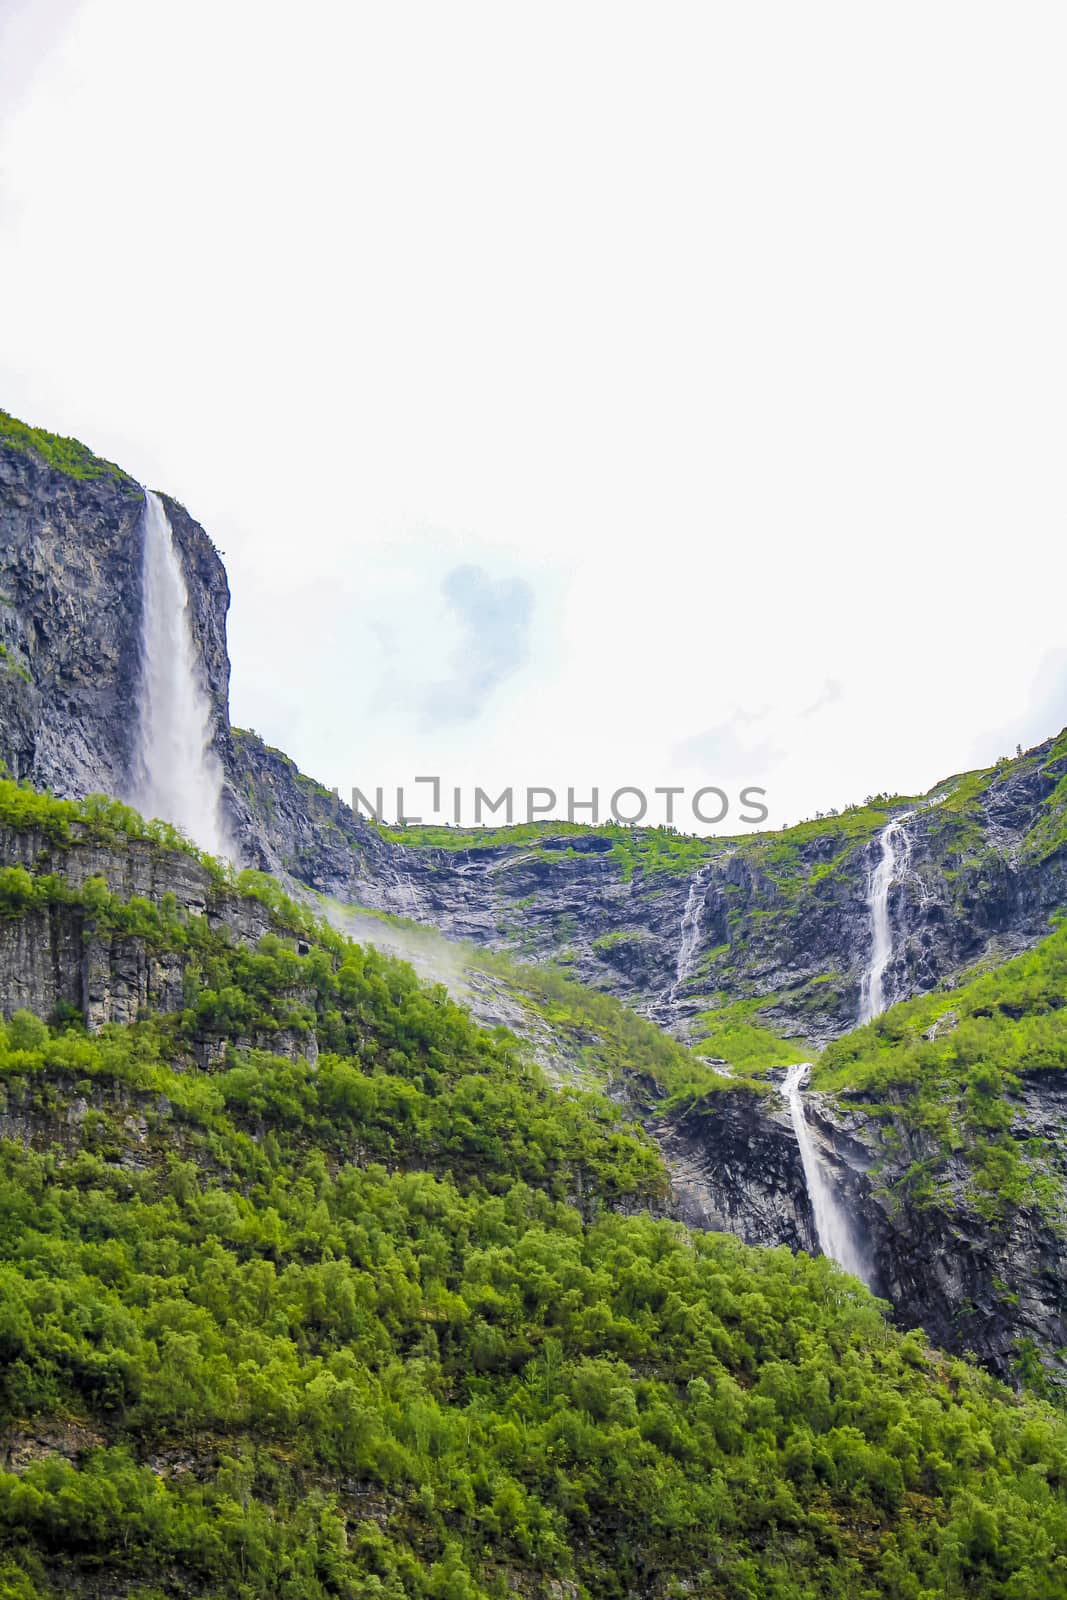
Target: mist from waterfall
[(176, 774), (895, 850), (833, 1229)]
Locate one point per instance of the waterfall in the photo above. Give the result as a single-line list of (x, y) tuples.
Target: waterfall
[(176, 773), (895, 849), (832, 1228), (689, 933), (408, 892)]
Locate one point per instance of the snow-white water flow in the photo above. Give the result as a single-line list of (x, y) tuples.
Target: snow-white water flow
[(412, 908), (689, 933), (176, 774), (895, 847), (832, 1228)]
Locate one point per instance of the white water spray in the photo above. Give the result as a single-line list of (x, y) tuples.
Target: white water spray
[(176, 773), (689, 933), (832, 1227), (895, 851)]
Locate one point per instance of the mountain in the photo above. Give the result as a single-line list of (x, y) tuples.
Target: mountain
[(634, 1007)]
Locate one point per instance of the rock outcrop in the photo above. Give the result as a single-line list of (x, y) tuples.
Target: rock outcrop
[(59, 955), (975, 1282)]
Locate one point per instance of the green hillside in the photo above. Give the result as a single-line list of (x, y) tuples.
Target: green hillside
[(384, 1314), (949, 1064)]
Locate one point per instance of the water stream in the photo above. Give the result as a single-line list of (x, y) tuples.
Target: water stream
[(833, 1227), (689, 934), (176, 773), (896, 848)]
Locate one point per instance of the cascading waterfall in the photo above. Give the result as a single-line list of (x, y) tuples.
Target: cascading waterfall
[(176, 773), (689, 934), (409, 893), (895, 850), (832, 1227)]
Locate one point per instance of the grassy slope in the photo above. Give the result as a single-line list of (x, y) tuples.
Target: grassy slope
[(949, 1062), (605, 1038), (65, 455), (784, 855), (377, 1327)]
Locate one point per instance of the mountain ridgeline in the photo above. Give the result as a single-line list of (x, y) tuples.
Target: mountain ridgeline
[(321, 1280)]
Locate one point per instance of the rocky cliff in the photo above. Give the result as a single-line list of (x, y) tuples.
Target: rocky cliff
[(986, 1283), (70, 630), (70, 617)]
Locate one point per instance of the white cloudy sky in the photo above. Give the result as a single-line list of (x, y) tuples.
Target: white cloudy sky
[(580, 393)]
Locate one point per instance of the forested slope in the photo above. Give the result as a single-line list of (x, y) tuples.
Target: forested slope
[(387, 1314)]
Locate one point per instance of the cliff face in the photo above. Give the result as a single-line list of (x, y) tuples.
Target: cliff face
[(70, 587), (736, 1169), (989, 1284), (60, 951), (70, 629), (70, 622), (782, 921)]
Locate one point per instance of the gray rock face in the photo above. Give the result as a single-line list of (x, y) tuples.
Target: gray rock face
[(736, 1168), (69, 581), (56, 955), (978, 884), (290, 825), (799, 941), (70, 630), (972, 1284)]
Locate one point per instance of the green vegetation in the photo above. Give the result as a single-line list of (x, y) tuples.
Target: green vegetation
[(660, 850), (614, 1044), (375, 1327), (620, 939), (787, 857), (949, 1064), (65, 455), (431, 836), (366, 1318), (98, 818), (731, 1033), (652, 849), (1050, 834), (370, 1310), (610, 1044), (955, 816), (11, 666)]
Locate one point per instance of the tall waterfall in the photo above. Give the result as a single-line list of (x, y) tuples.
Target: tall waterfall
[(832, 1227), (895, 850), (689, 933), (176, 773)]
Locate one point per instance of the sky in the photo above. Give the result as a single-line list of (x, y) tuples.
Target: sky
[(580, 395)]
